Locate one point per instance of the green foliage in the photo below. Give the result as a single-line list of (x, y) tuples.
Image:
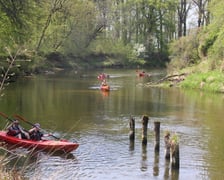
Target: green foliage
[(121, 53), (203, 51), (184, 52), (174, 139), (207, 41), (15, 28), (210, 81), (84, 28), (212, 37), (74, 27), (218, 46)]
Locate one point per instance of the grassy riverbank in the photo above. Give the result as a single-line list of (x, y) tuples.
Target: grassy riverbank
[(212, 81), (208, 81)]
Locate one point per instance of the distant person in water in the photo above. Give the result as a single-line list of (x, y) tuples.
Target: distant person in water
[(104, 83), (35, 133), (14, 129)]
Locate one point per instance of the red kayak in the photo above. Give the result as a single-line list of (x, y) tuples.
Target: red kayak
[(105, 88), (44, 145)]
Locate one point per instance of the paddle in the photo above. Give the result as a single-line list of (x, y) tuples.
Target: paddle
[(6, 117), (23, 119)]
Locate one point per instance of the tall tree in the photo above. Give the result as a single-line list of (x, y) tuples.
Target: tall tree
[(203, 15), (15, 21), (54, 7), (182, 11)]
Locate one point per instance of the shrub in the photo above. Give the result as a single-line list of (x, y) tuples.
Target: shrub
[(184, 52)]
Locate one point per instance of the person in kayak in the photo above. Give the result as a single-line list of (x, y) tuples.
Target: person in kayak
[(104, 83), (14, 129), (35, 133)]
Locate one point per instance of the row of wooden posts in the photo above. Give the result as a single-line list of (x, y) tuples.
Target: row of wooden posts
[(171, 145)]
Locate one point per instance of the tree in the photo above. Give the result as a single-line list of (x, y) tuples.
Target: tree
[(16, 17), (85, 24), (55, 8), (203, 15), (182, 11)]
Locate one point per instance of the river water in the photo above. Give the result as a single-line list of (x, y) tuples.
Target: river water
[(71, 106)]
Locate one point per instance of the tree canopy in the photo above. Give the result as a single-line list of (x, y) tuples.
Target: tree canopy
[(203, 47), (136, 32)]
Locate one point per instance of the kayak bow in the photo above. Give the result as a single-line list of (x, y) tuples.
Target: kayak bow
[(105, 88)]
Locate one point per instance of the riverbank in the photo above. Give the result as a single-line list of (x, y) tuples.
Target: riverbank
[(211, 81)]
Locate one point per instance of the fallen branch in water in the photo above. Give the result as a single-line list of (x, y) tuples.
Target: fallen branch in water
[(176, 78)]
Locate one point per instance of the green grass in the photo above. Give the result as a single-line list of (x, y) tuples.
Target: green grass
[(212, 81), (175, 139)]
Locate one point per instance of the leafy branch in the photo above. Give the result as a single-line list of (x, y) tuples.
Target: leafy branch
[(11, 59)]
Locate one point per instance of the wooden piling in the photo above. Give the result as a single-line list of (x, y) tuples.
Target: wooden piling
[(174, 154), (132, 129), (157, 135), (145, 120), (167, 145)]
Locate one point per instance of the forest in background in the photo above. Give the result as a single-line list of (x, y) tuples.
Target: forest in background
[(39, 35)]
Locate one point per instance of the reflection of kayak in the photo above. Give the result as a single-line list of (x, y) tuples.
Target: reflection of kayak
[(105, 93), (105, 88), (141, 74), (44, 145)]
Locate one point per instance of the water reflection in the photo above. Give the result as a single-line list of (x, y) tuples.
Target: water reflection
[(156, 164), (66, 105), (144, 163), (175, 174), (131, 145), (167, 169), (105, 93), (29, 163)]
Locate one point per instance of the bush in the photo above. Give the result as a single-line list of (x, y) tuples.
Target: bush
[(183, 52)]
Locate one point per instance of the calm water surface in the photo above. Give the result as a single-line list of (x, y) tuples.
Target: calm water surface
[(71, 106)]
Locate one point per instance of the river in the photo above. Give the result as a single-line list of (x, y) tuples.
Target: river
[(71, 106)]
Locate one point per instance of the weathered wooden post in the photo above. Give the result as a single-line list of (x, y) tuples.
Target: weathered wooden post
[(132, 129), (132, 134), (174, 153), (167, 145), (145, 120), (157, 135)]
